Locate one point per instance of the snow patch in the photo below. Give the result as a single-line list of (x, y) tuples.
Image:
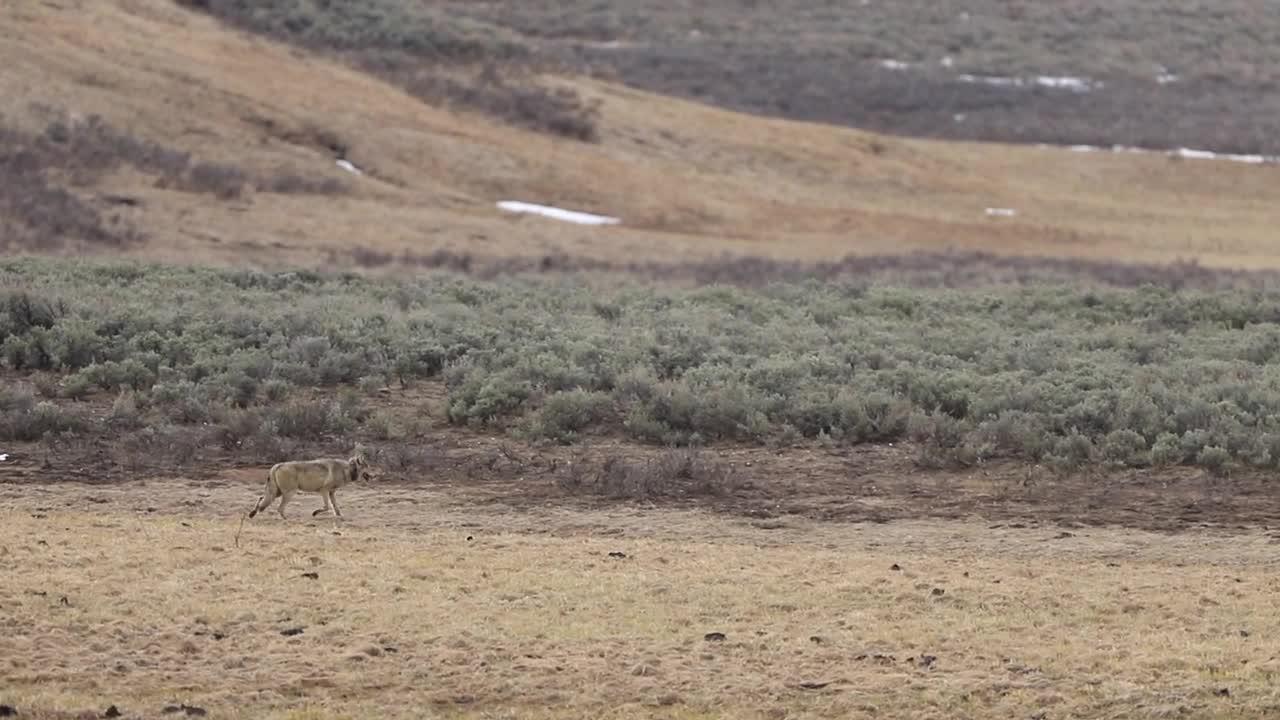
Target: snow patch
[(573, 216), (1070, 83), (1186, 153), (1074, 84), (349, 167), (996, 80), (1233, 157)]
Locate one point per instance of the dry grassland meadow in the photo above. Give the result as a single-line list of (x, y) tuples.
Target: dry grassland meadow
[(881, 401)]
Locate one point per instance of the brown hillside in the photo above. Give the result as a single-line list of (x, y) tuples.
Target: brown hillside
[(688, 180)]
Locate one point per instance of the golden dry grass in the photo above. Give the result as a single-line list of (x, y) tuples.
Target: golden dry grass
[(690, 181), (428, 604)]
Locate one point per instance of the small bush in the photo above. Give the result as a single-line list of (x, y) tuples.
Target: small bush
[(1071, 452), (371, 384), (78, 386), (482, 399), (276, 389), (1167, 450), (47, 385), (1126, 448), (23, 422), (674, 473), (26, 312), (406, 457), (564, 415), (125, 412), (1217, 460), (221, 181), (182, 402), (311, 420)]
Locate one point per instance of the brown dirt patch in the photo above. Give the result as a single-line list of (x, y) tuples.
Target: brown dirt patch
[(872, 483)]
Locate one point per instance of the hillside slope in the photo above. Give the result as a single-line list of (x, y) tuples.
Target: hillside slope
[(689, 181)]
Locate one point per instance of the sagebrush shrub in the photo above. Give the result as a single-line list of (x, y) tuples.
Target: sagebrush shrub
[(1040, 372)]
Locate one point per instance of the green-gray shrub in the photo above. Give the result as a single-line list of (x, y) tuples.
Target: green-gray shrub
[(1037, 372), (1126, 448), (1167, 450), (563, 416), (1217, 460)]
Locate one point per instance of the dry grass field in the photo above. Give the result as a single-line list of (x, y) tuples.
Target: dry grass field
[(689, 181), (434, 600)]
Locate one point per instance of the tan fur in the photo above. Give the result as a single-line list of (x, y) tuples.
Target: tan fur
[(322, 476)]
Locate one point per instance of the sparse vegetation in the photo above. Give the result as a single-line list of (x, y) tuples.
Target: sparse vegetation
[(46, 180), (1162, 71), (492, 600), (1053, 374), (438, 56), (405, 26), (675, 473)]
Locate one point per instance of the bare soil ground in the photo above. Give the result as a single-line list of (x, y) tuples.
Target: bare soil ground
[(473, 593), (870, 483)]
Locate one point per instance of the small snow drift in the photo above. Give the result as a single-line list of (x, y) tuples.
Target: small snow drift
[(349, 167), (1070, 83), (1001, 212), (1207, 155), (1074, 84), (573, 216), (1184, 153)]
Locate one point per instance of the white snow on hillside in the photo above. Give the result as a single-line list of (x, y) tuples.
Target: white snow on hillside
[(1075, 84), (573, 216), (1186, 153)]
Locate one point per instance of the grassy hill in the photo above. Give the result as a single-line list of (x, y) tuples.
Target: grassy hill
[(1160, 73), (217, 134)]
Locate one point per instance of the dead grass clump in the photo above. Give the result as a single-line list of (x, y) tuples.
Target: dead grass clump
[(516, 99), (222, 181), (35, 212), (39, 206), (310, 419), (673, 473), (292, 183), (84, 150), (409, 459), (162, 445)]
